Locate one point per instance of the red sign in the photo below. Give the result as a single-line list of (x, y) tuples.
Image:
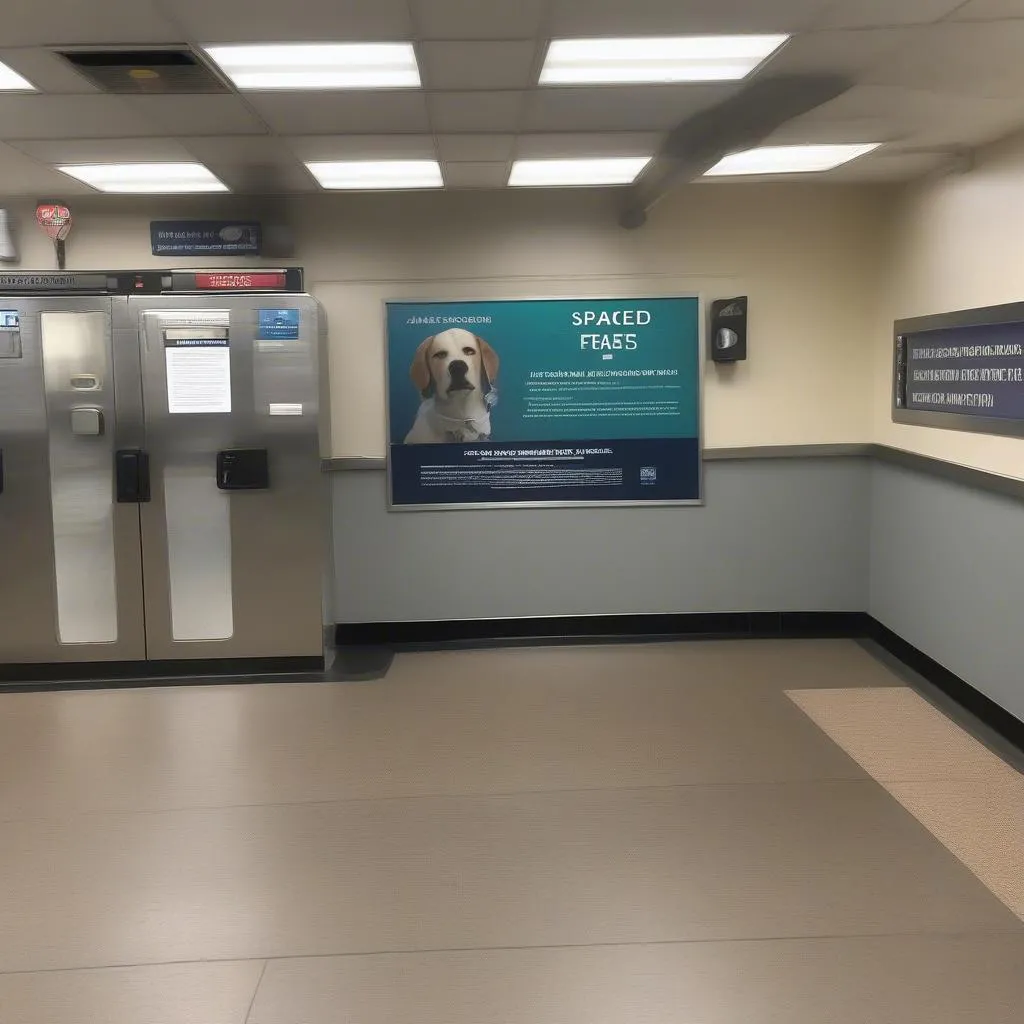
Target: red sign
[(240, 281)]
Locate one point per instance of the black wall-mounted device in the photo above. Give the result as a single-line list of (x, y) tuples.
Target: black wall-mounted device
[(729, 330)]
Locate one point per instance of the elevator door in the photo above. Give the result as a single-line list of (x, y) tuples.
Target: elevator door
[(71, 575), (233, 533)]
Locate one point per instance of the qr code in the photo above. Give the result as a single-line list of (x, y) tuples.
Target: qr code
[(649, 475)]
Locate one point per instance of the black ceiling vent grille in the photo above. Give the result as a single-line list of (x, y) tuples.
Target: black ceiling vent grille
[(144, 72)]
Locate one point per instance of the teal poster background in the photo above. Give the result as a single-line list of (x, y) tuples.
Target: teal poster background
[(582, 371)]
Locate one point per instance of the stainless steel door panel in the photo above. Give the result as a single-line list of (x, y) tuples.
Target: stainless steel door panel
[(71, 585), (234, 573)]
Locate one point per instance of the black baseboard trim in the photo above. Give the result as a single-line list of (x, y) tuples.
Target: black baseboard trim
[(599, 628), (179, 672), (996, 717)]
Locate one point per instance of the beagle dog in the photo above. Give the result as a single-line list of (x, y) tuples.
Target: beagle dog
[(454, 372)]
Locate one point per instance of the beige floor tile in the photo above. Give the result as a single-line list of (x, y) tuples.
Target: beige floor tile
[(895, 734), (718, 862), (982, 823), (156, 994), (447, 723), (901, 980)]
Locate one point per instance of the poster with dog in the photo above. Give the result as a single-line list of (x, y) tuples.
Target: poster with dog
[(543, 402)]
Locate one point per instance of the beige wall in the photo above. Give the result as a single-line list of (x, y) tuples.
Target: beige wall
[(956, 242), (807, 255)]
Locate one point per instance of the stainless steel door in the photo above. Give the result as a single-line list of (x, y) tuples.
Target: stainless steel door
[(71, 580), (231, 573)]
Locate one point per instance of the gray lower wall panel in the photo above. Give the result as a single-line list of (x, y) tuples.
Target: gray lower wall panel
[(779, 535), (947, 574)]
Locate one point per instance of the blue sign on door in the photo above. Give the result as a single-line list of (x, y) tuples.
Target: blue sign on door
[(279, 324), (205, 238)]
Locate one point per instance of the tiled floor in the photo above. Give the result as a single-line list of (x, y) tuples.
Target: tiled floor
[(684, 833)]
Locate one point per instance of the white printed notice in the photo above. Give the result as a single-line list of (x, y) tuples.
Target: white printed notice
[(198, 374)]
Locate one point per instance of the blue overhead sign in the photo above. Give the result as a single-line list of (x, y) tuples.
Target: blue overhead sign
[(205, 238)]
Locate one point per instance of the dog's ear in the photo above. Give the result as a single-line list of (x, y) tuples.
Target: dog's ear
[(491, 361), (420, 369)]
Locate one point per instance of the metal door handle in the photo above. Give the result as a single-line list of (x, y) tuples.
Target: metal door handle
[(132, 474)]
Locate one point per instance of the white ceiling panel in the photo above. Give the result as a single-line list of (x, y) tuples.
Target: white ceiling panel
[(485, 65), (478, 19), (477, 111), (22, 176), (308, 21), (100, 151), (585, 18), (846, 52), (238, 149), (990, 9), (475, 175), (70, 117), (362, 112), (76, 22), (964, 58), (46, 71), (618, 109), (362, 147), (476, 148), (572, 144), (272, 178), (802, 131), (198, 115), (887, 167), (869, 13)]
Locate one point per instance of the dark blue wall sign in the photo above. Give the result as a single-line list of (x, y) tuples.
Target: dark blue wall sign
[(544, 402), (279, 324), (205, 238), (970, 371)]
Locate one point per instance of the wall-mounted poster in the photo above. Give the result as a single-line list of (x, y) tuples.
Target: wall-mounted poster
[(544, 402)]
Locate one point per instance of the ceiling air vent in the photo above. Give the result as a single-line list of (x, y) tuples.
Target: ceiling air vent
[(144, 72)]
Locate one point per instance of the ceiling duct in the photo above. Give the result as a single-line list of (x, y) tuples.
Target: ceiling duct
[(741, 122), (145, 72)]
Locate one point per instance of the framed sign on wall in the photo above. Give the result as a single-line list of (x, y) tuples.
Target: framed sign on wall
[(544, 402)]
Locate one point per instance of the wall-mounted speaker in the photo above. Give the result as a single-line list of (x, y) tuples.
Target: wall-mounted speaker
[(729, 330)]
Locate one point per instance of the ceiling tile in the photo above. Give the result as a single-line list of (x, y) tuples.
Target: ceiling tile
[(801, 131), (360, 112), (74, 22), (198, 115), (884, 167), (475, 148), (98, 151), (362, 147), (989, 9), (475, 175), (851, 51), (476, 111), (238, 149), (251, 163), (83, 117), (616, 109), (870, 13), (583, 18), (571, 144), (312, 21), (22, 176), (46, 70), (478, 19), (964, 58), (478, 65)]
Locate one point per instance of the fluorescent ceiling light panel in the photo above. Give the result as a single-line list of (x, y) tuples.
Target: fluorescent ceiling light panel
[(657, 59), (11, 81), (788, 159), (619, 170), (158, 178), (377, 175), (319, 65)]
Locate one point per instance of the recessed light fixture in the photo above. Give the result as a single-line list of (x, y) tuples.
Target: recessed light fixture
[(319, 65), (377, 175), (657, 59), (160, 178), (11, 81), (788, 159), (619, 170)]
